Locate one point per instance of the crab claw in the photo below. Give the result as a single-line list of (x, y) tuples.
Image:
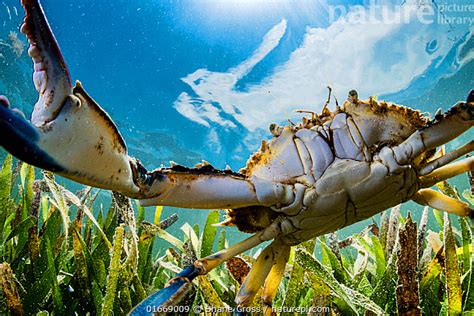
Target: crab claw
[(69, 133), (51, 76), (21, 138), (81, 143)]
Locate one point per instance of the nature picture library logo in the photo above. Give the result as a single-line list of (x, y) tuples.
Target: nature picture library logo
[(403, 12)]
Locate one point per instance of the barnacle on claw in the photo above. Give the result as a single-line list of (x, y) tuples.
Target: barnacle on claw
[(330, 171)]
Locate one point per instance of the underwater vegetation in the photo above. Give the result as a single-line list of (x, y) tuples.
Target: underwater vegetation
[(63, 253)]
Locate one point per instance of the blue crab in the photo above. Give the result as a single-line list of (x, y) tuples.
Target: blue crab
[(327, 172)]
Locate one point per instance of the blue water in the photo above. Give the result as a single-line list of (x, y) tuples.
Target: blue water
[(192, 80)]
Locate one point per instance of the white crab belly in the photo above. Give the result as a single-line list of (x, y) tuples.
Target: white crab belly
[(349, 191)]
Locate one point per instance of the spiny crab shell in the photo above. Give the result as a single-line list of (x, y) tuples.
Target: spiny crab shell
[(396, 123)]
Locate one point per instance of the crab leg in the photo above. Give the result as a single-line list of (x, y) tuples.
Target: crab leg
[(267, 272), (445, 159), (209, 188), (273, 279), (447, 172), (438, 200), (257, 275), (209, 263), (177, 286)]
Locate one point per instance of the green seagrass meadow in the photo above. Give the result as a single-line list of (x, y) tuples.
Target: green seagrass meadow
[(64, 253)]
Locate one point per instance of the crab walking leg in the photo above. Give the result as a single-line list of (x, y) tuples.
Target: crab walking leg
[(207, 264), (438, 200), (257, 275), (273, 279), (445, 159), (447, 172), (177, 287)]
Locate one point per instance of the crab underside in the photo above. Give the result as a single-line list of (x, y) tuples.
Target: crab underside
[(329, 171)]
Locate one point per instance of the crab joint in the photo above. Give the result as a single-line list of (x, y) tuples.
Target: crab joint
[(297, 205), (445, 159)]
